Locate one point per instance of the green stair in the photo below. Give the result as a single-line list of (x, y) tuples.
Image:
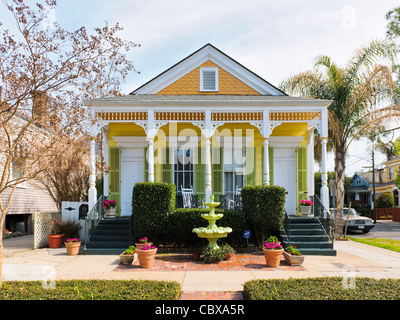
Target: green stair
[(307, 234), (111, 236)]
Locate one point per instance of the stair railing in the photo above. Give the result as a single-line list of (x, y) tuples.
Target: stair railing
[(286, 227), (324, 217), (93, 217)]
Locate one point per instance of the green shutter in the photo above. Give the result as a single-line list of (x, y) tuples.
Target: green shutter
[(271, 165), (302, 183), (199, 175), (166, 166), (250, 171), (114, 188), (217, 172)]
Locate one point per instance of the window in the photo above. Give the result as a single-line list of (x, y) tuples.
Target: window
[(390, 173), (234, 168), (17, 164), (208, 79), (183, 168)]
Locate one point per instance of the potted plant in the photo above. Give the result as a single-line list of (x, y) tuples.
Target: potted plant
[(55, 238), (228, 251), (293, 256), (272, 239), (213, 255), (272, 252), (142, 242), (110, 208), (146, 255), (128, 256), (72, 245), (305, 207)]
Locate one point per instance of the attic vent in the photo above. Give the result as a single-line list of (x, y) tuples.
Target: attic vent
[(208, 79)]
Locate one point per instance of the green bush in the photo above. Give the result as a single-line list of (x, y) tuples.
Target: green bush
[(385, 200), (324, 288), (264, 208), (151, 204), (91, 290)]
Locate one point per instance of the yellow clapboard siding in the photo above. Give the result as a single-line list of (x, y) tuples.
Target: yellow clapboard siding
[(190, 83)]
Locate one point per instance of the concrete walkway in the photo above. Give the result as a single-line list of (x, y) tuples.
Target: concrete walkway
[(21, 262)]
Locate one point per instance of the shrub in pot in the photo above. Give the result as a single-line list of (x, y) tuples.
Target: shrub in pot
[(56, 236)]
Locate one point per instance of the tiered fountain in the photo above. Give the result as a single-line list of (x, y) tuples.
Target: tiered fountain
[(212, 233)]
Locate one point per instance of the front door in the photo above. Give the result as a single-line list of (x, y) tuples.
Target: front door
[(131, 173), (285, 175)]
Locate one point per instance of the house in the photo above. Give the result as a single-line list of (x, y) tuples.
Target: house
[(28, 196), (391, 169), (360, 190), (211, 125)]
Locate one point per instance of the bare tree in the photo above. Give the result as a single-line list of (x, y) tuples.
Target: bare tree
[(45, 75)]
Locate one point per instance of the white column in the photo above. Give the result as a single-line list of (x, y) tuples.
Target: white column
[(208, 169), (151, 160), (105, 154), (311, 186), (92, 176), (266, 162), (324, 175)]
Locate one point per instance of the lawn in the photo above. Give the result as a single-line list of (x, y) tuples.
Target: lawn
[(389, 244), (91, 290), (324, 288)]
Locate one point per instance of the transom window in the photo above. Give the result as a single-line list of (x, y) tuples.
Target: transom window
[(183, 168)]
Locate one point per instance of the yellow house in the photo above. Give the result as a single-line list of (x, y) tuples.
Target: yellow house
[(391, 170), (210, 125)]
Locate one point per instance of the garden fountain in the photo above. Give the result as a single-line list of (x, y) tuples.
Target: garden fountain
[(212, 233)]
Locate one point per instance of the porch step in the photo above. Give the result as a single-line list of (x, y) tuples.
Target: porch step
[(111, 236), (307, 234)]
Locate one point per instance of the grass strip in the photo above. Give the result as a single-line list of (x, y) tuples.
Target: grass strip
[(91, 290), (389, 244), (323, 288)]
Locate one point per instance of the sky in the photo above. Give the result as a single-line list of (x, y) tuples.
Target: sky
[(274, 39)]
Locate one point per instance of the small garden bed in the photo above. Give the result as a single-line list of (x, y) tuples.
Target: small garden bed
[(325, 288), (91, 290)]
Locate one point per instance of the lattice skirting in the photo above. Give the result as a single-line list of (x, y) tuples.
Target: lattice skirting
[(42, 227)]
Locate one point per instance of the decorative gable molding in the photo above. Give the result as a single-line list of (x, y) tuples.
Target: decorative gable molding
[(195, 60)]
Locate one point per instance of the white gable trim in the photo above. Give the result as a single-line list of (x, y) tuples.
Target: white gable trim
[(192, 62)]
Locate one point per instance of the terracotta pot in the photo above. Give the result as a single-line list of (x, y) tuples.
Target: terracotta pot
[(228, 256), (55, 240), (293, 260), (128, 258), (72, 248), (140, 245), (146, 257), (273, 257)]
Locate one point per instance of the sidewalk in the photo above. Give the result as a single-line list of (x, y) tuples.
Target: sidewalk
[(23, 263)]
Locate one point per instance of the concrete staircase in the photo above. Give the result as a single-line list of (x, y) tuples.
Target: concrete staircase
[(111, 236), (307, 234)]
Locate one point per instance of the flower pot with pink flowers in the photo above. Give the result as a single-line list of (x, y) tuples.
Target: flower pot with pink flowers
[(146, 255), (273, 252), (293, 256), (73, 245), (143, 242), (110, 208), (305, 207)]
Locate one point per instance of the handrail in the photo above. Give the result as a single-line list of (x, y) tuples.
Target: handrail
[(286, 226), (93, 218), (324, 218)]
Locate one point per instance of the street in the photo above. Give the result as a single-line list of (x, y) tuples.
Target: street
[(382, 229)]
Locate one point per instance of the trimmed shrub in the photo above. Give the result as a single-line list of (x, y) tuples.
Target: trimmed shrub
[(151, 204), (264, 208), (385, 200)]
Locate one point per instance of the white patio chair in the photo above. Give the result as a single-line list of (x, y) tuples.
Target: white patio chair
[(187, 194)]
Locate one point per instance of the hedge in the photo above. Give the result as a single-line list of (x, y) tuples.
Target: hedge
[(324, 288), (91, 290), (264, 208), (151, 204), (385, 200)]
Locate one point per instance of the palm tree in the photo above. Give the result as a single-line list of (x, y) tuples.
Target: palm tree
[(356, 90)]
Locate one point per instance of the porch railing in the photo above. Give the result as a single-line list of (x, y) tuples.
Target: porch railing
[(93, 217), (286, 227), (325, 219)]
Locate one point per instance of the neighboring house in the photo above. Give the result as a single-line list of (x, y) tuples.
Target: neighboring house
[(211, 125), (360, 190), (391, 169), (28, 197)]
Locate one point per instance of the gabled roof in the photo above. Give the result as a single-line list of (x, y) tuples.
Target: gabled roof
[(208, 52)]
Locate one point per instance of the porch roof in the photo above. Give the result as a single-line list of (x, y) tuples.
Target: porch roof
[(205, 100)]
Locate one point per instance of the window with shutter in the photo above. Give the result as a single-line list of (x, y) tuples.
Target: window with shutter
[(208, 79), (114, 190), (302, 183)]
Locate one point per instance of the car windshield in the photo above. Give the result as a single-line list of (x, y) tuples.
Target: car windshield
[(352, 212)]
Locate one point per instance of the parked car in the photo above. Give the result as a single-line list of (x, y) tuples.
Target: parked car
[(355, 221)]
